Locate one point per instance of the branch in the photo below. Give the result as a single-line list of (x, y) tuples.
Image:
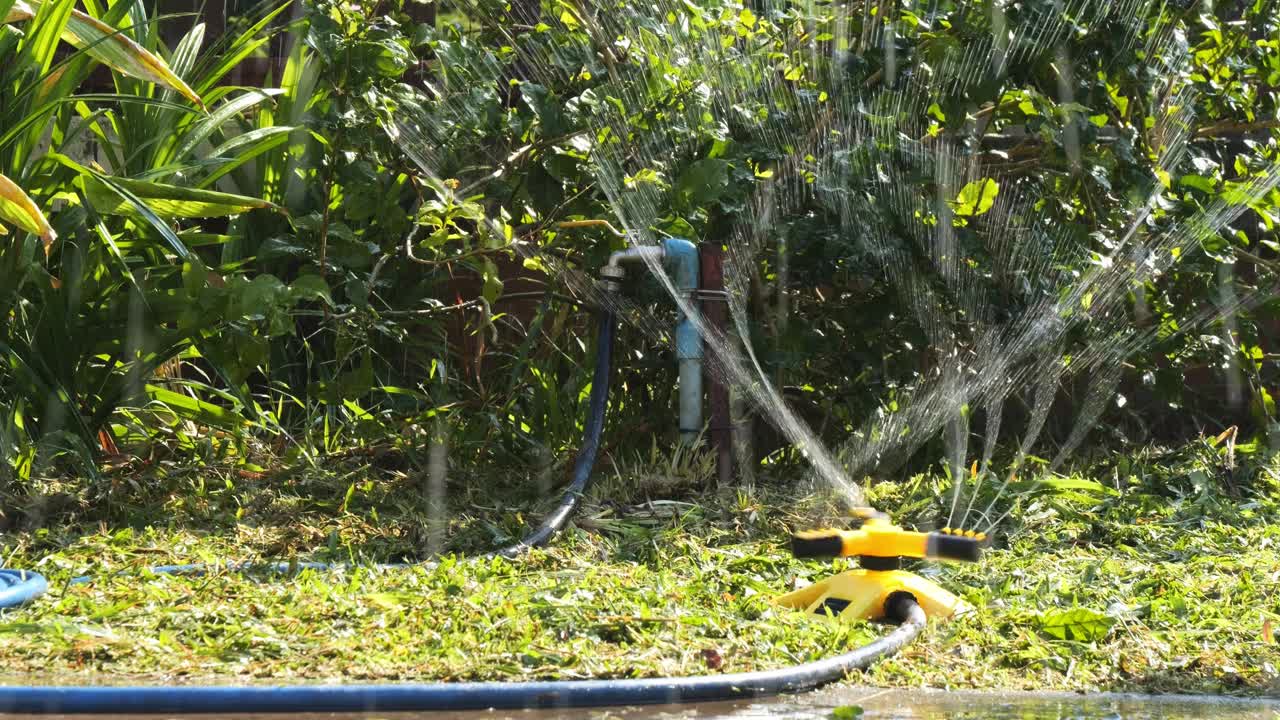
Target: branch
[(1228, 129)]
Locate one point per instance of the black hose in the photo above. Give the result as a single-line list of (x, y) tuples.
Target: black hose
[(593, 429), (465, 696)]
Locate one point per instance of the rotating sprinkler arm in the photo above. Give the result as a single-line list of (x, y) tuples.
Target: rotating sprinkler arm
[(880, 538)]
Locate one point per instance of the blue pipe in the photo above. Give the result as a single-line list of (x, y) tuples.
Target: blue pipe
[(681, 258)]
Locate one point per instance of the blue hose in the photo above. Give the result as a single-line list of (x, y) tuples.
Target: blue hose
[(18, 587), (461, 696)]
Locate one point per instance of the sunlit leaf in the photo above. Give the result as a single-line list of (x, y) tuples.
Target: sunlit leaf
[(17, 208), (1079, 624), (977, 197), (194, 409), (114, 49), (19, 12), (170, 200), (219, 117), (1197, 182), (1062, 484), (138, 204)]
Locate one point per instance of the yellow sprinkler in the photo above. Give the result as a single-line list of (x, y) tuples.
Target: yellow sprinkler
[(880, 547)]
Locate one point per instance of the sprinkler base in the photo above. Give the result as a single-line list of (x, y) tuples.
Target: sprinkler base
[(863, 594)]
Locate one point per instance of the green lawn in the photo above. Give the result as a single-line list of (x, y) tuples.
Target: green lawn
[(1181, 566)]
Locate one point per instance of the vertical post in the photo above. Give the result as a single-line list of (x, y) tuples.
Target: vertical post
[(715, 314)]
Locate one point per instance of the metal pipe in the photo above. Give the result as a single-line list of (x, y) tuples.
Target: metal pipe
[(636, 253)]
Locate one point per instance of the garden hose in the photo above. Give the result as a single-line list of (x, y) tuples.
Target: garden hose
[(468, 695), (18, 587)]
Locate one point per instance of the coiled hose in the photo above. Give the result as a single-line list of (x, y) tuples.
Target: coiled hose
[(18, 587)]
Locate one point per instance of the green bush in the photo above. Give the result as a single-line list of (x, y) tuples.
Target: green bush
[(301, 248)]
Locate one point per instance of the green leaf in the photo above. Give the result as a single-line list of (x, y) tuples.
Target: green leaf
[(48, 23), (194, 276), (492, 281), (1198, 182), (17, 208), (247, 146), (219, 117), (170, 200), (139, 205), (310, 287), (246, 44), (1078, 624), (117, 51), (846, 712), (1077, 483), (194, 409), (703, 182), (188, 50), (977, 197)]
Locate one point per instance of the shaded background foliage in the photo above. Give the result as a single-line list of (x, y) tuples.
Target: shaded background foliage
[(337, 296)]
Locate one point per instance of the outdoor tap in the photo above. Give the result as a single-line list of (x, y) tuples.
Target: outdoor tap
[(633, 253), (612, 273)]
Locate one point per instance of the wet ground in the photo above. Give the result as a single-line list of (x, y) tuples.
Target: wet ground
[(844, 702)]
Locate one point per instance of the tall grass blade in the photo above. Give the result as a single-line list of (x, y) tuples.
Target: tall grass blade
[(104, 44), (18, 12), (112, 48), (172, 201)]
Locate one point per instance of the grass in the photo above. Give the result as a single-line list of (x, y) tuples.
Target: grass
[(1179, 561)]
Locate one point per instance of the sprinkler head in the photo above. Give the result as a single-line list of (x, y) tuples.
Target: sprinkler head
[(868, 592)]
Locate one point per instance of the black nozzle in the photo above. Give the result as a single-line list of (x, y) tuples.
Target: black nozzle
[(955, 546), (817, 545)]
